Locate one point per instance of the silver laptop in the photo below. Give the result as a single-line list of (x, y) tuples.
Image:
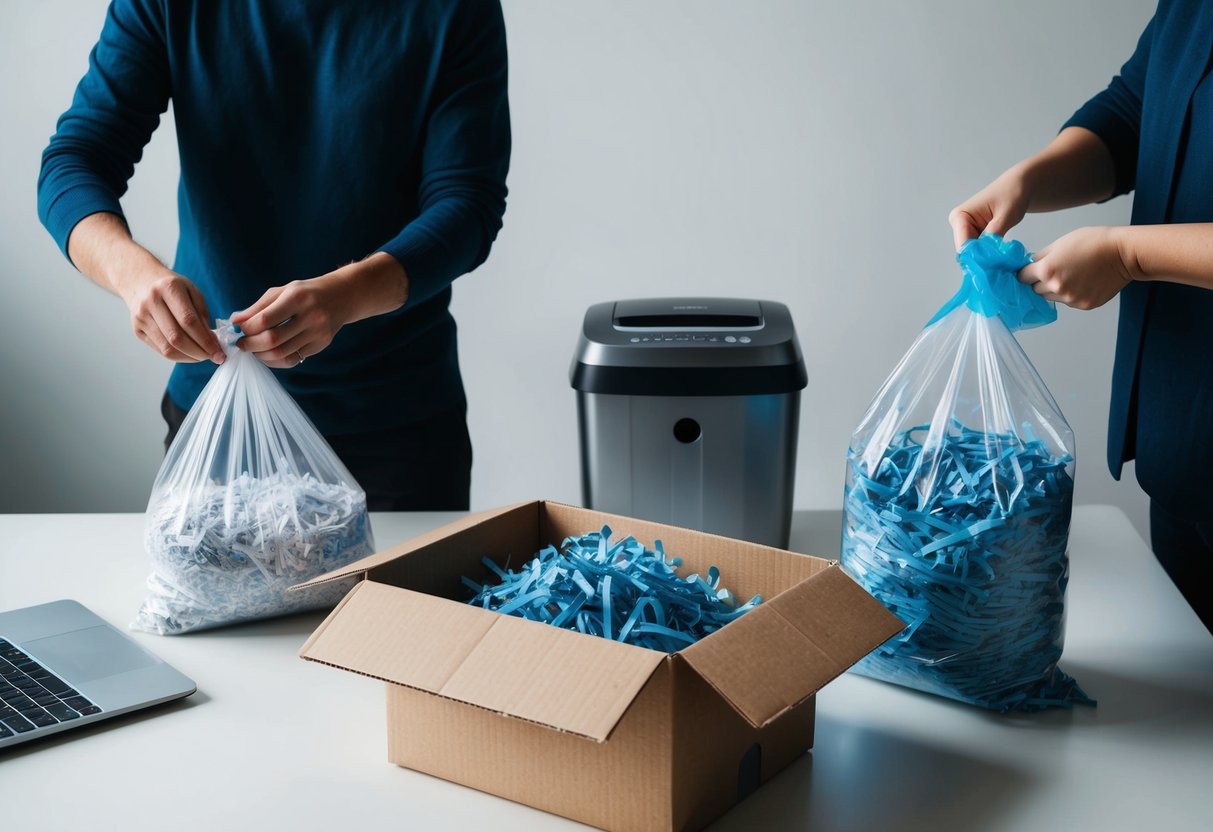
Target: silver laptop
[(61, 666)]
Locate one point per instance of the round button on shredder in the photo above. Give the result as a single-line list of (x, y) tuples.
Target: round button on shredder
[(730, 339), (745, 339), (635, 339)]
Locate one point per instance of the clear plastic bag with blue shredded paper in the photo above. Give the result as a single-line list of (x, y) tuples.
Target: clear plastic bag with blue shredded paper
[(249, 501), (959, 488)]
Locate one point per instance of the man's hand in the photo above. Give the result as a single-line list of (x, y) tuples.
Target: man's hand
[(1084, 269), (291, 323), (169, 314), (167, 310)]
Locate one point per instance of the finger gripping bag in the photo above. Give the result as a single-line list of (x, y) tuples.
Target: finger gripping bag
[(249, 501), (959, 488)]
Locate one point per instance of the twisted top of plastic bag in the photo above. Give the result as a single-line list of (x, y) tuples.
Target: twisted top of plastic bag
[(991, 288), (228, 335)]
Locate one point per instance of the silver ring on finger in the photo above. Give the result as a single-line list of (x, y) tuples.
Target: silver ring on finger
[(298, 355)]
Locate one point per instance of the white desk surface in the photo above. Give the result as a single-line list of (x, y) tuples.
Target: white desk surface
[(272, 742)]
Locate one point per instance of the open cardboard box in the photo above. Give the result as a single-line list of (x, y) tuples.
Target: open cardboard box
[(614, 735)]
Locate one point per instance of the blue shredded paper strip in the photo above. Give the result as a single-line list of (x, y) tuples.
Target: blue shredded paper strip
[(990, 286), (622, 591), (977, 569)]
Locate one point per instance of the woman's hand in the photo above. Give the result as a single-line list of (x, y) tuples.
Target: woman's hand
[(1084, 269), (998, 207), (1074, 169)]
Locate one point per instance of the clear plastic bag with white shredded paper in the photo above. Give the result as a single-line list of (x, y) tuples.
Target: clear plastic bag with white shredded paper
[(249, 501)]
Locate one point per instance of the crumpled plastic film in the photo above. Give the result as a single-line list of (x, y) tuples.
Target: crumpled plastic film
[(990, 287), (621, 591)]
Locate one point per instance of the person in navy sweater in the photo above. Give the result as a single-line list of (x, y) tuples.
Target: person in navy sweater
[(1151, 132), (342, 162)]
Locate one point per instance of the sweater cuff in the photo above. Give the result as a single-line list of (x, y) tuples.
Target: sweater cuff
[(426, 262), (75, 204), (1118, 136)]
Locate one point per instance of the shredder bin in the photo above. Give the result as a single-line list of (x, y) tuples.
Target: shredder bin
[(688, 412)]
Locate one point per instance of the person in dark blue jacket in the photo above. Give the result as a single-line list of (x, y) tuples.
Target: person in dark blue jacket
[(341, 164), (1151, 132)]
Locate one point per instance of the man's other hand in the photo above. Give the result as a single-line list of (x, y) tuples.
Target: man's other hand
[(291, 323)]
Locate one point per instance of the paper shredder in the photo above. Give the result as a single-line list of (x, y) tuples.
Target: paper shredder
[(688, 411)]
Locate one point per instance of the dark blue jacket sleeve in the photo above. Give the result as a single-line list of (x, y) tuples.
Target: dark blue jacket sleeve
[(465, 158), (1115, 114), (117, 105)]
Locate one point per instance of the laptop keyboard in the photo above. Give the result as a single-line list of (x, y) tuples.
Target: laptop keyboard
[(32, 697)]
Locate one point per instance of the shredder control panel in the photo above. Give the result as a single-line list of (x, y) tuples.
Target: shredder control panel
[(686, 322), (687, 338)]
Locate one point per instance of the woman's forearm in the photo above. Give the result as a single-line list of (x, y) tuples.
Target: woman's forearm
[(1074, 169), (1176, 253)]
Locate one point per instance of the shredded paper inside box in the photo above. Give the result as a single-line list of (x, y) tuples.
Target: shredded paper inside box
[(622, 591)]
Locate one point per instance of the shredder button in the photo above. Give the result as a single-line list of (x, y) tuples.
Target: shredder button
[(636, 340), (745, 339), (730, 339)]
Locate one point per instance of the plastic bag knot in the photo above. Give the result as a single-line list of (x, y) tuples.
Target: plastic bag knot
[(228, 335), (991, 288)]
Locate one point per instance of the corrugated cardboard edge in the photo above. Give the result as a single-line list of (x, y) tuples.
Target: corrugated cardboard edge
[(328, 619), (365, 565), (785, 650), (507, 665)]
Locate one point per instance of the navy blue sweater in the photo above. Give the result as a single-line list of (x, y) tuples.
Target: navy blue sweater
[(1156, 117), (311, 134)]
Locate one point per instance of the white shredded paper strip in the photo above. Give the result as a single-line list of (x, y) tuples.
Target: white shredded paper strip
[(224, 553)]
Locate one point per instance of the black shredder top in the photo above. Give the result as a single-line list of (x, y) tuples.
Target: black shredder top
[(688, 347)]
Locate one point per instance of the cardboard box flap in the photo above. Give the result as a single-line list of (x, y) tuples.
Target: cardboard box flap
[(573, 682), (564, 680), (397, 635), (788, 648), (368, 563)]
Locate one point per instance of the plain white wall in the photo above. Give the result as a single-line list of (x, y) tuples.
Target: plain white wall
[(806, 152)]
